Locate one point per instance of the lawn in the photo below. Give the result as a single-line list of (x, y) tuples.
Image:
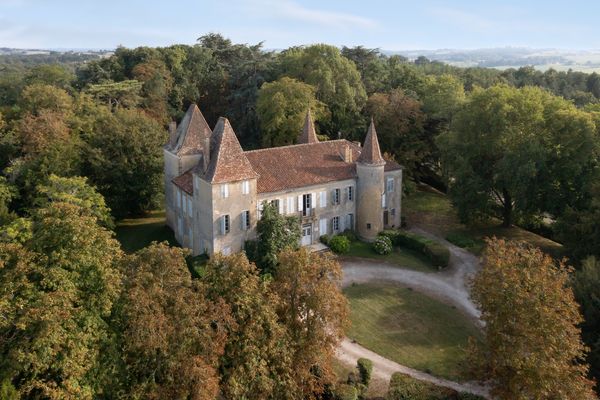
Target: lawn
[(137, 233), (401, 257), (410, 328), (433, 212)]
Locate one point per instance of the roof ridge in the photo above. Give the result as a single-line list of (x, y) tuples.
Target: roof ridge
[(296, 145)]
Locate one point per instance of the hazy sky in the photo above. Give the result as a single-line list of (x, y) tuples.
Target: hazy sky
[(390, 25)]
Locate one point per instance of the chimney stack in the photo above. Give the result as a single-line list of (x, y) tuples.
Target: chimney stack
[(347, 153), (206, 153), (172, 132)]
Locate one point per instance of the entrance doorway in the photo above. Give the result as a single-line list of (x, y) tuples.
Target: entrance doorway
[(306, 235)]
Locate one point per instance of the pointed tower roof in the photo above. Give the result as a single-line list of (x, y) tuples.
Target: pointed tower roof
[(227, 162), (191, 132), (308, 134), (370, 153)]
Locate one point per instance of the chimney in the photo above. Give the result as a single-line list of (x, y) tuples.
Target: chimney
[(206, 153), (172, 132), (347, 153)]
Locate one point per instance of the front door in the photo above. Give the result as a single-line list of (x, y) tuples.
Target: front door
[(306, 235), (386, 218)]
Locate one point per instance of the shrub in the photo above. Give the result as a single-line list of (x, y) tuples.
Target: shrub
[(382, 245), (324, 239), (404, 387), (435, 252), (339, 244), (350, 234), (345, 392), (365, 369), (391, 234)]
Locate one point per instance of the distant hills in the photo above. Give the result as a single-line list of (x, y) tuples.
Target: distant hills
[(512, 57)]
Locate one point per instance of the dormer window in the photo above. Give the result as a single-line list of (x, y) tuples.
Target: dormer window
[(245, 187), (224, 191)]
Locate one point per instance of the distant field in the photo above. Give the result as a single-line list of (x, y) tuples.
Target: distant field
[(137, 233), (410, 328)]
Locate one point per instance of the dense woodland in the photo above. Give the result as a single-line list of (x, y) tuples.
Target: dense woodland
[(81, 145)]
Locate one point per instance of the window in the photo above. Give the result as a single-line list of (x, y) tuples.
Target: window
[(277, 204), (393, 212), (323, 199), (369, 226), (245, 220), (226, 251), (335, 224), (383, 201), (389, 185), (306, 204), (336, 196), (350, 221), (225, 226), (290, 205), (245, 187), (350, 192), (224, 191), (323, 226)]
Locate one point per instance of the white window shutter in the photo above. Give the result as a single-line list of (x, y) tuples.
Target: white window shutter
[(383, 200), (290, 205), (323, 226), (243, 220), (342, 224), (313, 200), (280, 203), (323, 198), (222, 220), (300, 203)]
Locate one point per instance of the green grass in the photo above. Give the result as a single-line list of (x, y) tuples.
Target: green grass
[(137, 233), (433, 212), (401, 257), (410, 328)]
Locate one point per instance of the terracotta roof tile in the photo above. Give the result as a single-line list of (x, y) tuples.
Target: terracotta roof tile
[(190, 133), (308, 134), (288, 167), (185, 182), (371, 154), (227, 162)]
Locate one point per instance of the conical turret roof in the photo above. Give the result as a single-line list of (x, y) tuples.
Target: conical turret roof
[(370, 153), (308, 134), (191, 132), (227, 162)]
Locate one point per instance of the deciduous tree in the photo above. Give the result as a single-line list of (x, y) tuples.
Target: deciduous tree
[(532, 347)]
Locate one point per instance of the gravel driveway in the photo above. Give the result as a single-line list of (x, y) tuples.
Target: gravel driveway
[(449, 286)]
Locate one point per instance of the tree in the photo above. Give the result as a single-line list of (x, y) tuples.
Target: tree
[(257, 361), (501, 153), (7, 193), (336, 80), (532, 347), (281, 108), (123, 159), (399, 121), (38, 96), (56, 296), (372, 66), (124, 94), (275, 232), (315, 313), (75, 191), (50, 74), (172, 334), (37, 132)]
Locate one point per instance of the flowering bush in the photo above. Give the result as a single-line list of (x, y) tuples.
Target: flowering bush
[(382, 245)]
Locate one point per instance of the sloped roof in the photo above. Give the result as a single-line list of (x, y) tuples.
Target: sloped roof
[(185, 182), (289, 167), (308, 134), (190, 133), (371, 154), (227, 162)]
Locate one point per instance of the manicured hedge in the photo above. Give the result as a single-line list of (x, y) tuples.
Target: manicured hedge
[(339, 244), (404, 387), (437, 253)]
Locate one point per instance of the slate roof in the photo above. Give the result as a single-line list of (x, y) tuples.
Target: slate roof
[(371, 154), (227, 162), (190, 133), (308, 134)]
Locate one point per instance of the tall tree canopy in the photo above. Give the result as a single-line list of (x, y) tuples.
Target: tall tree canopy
[(337, 81), (532, 346), (281, 108), (518, 150)]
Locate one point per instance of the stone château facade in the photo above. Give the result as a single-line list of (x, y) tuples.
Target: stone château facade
[(215, 190)]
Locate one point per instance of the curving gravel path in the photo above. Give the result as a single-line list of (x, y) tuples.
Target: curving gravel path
[(449, 286)]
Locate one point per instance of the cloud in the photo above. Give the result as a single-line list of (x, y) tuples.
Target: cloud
[(467, 20), (290, 10)]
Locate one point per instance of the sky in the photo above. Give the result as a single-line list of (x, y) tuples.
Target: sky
[(388, 25)]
